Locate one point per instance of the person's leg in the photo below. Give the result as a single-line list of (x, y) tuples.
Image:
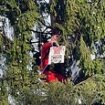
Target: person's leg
[(50, 76)]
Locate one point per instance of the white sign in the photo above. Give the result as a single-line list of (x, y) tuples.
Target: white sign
[(56, 54)]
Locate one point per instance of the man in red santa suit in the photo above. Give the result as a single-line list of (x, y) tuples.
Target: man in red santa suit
[(55, 73)]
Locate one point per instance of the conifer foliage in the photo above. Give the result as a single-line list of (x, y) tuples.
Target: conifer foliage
[(83, 26)]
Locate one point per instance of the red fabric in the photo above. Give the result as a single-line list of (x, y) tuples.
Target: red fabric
[(44, 54), (50, 75), (53, 76)]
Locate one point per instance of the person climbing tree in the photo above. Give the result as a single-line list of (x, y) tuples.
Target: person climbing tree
[(53, 72)]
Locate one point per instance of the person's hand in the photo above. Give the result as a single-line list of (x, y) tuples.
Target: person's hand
[(54, 43)]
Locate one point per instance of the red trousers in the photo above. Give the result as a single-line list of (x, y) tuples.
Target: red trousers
[(53, 76)]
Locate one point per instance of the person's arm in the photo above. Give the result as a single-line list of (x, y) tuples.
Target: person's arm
[(47, 45), (45, 49), (45, 53)]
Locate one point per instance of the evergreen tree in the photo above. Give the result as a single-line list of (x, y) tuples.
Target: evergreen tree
[(81, 21)]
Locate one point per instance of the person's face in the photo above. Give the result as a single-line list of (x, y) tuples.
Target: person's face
[(56, 37)]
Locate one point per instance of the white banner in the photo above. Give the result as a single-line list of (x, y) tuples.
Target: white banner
[(56, 54)]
